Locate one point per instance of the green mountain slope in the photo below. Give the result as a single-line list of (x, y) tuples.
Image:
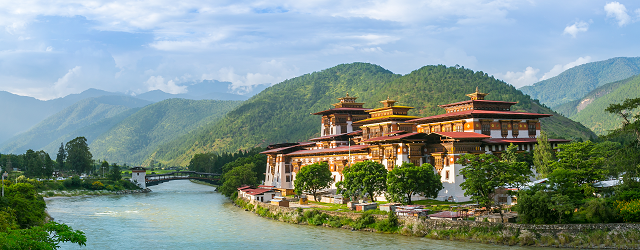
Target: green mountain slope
[(281, 112), (133, 139), (590, 109), (81, 114), (576, 82)]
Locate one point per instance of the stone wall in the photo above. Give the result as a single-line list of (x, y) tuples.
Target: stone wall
[(552, 228)]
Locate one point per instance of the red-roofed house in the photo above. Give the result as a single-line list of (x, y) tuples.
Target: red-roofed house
[(350, 134)]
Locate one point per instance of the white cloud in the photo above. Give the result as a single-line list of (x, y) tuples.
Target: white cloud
[(619, 12), (157, 83), (577, 27), (559, 68), (519, 79), (63, 87)]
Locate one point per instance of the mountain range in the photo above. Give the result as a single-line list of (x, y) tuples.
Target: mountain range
[(576, 82)]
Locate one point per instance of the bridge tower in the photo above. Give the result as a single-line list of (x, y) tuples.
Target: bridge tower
[(138, 175)]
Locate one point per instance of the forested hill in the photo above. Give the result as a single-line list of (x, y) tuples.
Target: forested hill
[(134, 138), (589, 110), (578, 81), (281, 113), (81, 114)]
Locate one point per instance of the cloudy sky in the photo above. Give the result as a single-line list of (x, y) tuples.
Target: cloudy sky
[(50, 49)]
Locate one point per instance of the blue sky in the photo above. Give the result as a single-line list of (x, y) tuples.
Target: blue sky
[(50, 49)]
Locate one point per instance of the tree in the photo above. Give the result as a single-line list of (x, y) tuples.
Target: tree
[(104, 167), (114, 172), (78, 155), (33, 164), (47, 236), (543, 155), (368, 177), (630, 123), (47, 165), (313, 178), (583, 159), (533, 206), (485, 173), (61, 157), (236, 177), (408, 179), (562, 204)]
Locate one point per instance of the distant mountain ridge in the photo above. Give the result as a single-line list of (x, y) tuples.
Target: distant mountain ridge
[(81, 114), (281, 113), (589, 110), (578, 81)]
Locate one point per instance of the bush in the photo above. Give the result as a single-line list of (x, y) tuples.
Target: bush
[(390, 224), (598, 211), (364, 221), (97, 185), (629, 211)]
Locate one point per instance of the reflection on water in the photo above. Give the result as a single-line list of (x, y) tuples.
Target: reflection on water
[(180, 214)]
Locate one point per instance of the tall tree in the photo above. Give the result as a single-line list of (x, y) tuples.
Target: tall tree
[(408, 180), (61, 157), (313, 178), (33, 164), (236, 177), (367, 177), (78, 155), (114, 172), (47, 164), (543, 155), (631, 122), (485, 173)]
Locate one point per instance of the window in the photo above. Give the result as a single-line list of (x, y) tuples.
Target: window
[(505, 129), (459, 128), (532, 130), (446, 175), (515, 131), (486, 128), (502, 199), (288, 178)]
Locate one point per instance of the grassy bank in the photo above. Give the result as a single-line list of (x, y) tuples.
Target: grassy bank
[(491, 233), (204, 183)]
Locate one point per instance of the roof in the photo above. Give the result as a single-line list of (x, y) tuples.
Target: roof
[(468, 101), (462, 135), (258, 191), (519, 140), (445, 214), (322, 138), (243, 187), (385, 108), (478, 113), (338, 110), (386, 117), (329, 150), (277, 150), (388, 138)]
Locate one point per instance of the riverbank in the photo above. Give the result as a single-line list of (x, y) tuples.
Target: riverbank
[(53, 194), (602, 236)]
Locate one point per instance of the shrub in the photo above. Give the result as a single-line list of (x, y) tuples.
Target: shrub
[(364, 221), (390, 224), (598, 211), (629, 211), (97, 185)]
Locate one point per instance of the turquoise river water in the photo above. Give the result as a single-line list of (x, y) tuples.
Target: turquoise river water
[(183, 215)]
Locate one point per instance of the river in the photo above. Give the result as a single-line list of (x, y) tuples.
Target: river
[(183, 215)]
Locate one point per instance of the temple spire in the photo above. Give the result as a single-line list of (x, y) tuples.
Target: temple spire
[(477, 95)]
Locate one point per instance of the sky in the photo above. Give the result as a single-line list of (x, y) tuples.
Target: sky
[(49, 49)]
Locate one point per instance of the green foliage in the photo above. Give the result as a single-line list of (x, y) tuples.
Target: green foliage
[(136, 138), (533, 207), (236, 177), (579, 164), (562, 204), (365, 220), (280, 113), (580, 80), (363, 178), (390, 224), (26, 204), (629, 211), (114, 172), (408, 179), (313, 178), (631, 119), (79, 157), (47, 236), (543, 155), (599, 211), (484, 173)]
